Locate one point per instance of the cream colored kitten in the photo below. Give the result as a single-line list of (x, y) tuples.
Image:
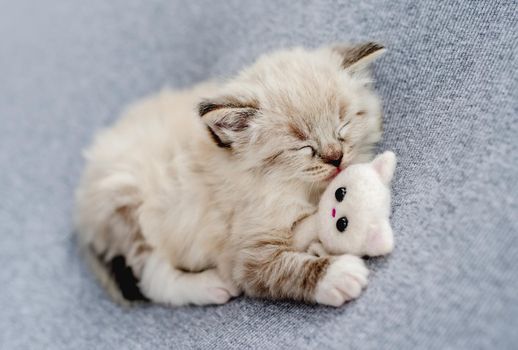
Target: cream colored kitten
[(197, 191)]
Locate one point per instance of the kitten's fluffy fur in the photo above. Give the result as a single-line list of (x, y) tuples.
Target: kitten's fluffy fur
[(201, 203)]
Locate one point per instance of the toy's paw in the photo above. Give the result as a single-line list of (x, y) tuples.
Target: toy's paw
[(215, 290), (317, 249), (344, 280)]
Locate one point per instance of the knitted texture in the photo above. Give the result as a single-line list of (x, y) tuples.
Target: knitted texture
[(449, 84)]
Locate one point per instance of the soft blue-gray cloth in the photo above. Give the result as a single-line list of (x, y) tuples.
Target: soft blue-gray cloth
[(449, 84)]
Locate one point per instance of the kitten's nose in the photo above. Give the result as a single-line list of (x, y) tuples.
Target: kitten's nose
[(333, 156), (336, 162)]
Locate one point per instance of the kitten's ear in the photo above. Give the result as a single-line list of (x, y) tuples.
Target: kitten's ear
[(385, 165), (227, 118), (356, 58)]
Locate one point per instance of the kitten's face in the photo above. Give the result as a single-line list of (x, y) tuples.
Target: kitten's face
[(299, 115)]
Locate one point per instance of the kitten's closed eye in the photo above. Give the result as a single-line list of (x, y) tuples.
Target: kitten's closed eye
[(343, 131), (307, 150)]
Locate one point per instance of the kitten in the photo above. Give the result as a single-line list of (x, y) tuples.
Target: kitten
[(201, 207)]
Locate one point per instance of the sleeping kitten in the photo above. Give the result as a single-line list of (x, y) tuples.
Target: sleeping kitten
[(201, 207)]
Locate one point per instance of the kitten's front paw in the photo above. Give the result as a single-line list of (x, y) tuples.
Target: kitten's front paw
[(343, 281)]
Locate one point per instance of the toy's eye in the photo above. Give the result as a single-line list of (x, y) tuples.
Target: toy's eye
[(341, 224), (340, 194)]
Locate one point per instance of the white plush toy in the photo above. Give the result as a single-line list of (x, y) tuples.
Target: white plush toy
[(353, 214)]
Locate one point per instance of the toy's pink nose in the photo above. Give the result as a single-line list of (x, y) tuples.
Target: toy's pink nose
[(333, 212)]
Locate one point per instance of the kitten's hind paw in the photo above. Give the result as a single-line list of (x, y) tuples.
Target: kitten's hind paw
[(215, 290)]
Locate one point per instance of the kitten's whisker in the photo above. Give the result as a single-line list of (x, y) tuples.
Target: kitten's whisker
[(313, 168)]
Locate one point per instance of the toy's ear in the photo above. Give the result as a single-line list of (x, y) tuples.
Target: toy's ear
[(380, 240), (385, 165)]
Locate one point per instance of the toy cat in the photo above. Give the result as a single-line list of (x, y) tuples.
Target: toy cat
[(353, 214)]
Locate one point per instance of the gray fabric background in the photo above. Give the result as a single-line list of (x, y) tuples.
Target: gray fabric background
[(450, 88)]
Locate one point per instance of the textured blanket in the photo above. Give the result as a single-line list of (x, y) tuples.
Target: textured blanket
[(449, 83)]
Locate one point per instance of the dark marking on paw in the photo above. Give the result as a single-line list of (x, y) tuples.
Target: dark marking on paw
[(125, 279)]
